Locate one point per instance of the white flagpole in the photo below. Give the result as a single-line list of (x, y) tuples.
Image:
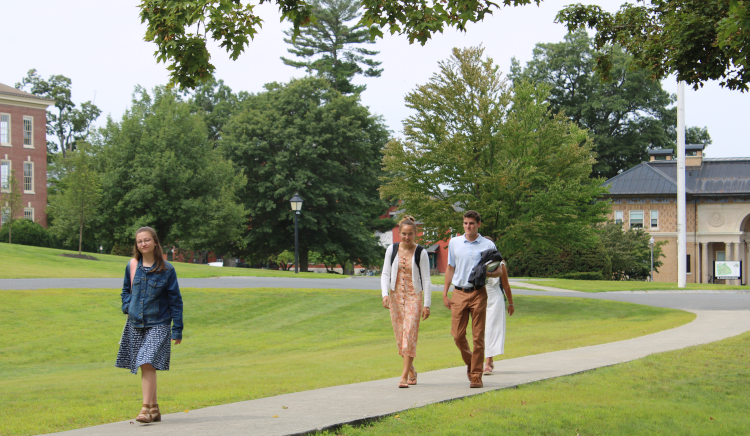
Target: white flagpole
[(681, 228)]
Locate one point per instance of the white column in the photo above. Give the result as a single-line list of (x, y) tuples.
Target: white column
[(737, 257), (704, 262), (681, 228)]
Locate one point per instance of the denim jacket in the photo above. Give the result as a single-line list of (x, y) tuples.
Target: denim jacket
[(153, 299)]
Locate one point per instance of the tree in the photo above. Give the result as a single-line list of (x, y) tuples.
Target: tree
[(216, 102), (306, 137), (328, 45), (697, 40), (630, 252), (180, 29), (75, 206), (159, 169), (475, 144), (10, 200), (627, 115), (697, 135), (69, 124)]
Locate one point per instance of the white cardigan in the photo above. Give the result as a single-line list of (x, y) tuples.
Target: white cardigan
[(388, 280)]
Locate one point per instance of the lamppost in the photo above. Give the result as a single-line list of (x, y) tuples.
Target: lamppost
[(296, 202), (651, 244), (101, 250)]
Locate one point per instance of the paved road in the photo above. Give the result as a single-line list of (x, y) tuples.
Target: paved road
[(685, 300)]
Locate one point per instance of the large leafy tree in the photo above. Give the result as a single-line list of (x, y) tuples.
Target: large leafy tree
[(67, 123), (180, 29), (77, 203), (473, 143), (629, 252), (332, 49), (627, 115), (697, 40), (161, 170), (306, 137), (216, 102)]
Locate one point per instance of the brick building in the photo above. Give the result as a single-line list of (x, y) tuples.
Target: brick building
[(23, 148), (717, 193)]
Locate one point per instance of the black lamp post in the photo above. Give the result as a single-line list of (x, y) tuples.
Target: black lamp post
[(296, 202), (651, 244)]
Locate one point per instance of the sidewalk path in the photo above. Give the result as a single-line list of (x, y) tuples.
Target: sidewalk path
[(322, 408)]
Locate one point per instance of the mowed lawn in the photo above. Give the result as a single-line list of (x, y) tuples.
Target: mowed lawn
[(610, 286), (58, 347), (700, 390), (25, 262)]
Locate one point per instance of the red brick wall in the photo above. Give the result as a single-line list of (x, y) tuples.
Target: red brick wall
[(17, 154)]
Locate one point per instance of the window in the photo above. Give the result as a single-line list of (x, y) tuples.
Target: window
[(654, 219), (618, 217), (28, 213), (5, 176), (691, 153), (636, 200), (4, 129), (687, 265), (28, 177), (721, 256), (28, 132), (636, 219), (4, 215)]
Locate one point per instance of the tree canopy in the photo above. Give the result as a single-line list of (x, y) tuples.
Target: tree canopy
[(69, 124), (306, 137), (473, 143), (697, 40), (180, 29), (161, 170), (627, 115), (332, 49)]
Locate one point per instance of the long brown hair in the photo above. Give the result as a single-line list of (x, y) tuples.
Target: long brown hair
[(159, 264)]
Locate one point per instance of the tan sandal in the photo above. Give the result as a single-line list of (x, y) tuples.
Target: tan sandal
[(145, 415), (155, 413), (412, 381)]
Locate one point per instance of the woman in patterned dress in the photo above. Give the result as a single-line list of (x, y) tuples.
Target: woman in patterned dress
[(151, 299), (401, 276)]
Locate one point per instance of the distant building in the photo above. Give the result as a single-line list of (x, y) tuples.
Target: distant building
[(717, 209), (23, 148)]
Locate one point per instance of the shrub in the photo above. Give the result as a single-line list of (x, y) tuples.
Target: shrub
[(27, 232), (589, 275), (122, 250), (540, 264)]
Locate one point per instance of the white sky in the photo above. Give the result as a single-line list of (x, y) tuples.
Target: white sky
[(99, 45)]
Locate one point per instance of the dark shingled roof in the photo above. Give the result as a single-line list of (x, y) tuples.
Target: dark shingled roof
[(713, 177)]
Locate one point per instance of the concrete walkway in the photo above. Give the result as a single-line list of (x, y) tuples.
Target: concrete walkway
[(318, 409)]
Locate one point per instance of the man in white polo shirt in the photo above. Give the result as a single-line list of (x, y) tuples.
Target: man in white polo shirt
[(464, 253)]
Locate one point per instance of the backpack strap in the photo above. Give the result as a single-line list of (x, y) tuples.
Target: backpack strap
[(417, 257), (133, 265)]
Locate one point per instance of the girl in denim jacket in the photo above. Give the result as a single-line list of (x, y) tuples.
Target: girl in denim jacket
[(151, 299)]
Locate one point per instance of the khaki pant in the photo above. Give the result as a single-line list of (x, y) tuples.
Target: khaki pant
[(463, 305)]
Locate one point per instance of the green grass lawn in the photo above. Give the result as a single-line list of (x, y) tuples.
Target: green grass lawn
[(58, 347), (25, 262), (694, 391), (609, 286)]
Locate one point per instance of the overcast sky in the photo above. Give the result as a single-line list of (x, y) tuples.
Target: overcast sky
[(99, 45)]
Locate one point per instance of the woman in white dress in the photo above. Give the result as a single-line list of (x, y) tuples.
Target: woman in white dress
[(494, 330)]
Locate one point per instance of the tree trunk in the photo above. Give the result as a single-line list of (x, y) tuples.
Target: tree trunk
[(303, 259), (348, 269), (230, 261), (80, 238), (10, 232)]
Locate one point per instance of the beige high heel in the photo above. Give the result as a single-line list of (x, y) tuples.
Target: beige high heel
[(155, 413), (145, 415)]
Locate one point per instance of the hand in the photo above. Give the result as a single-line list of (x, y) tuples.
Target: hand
[(387, 302), (177, 341), (446, 302), (425, 313), (511, 309)]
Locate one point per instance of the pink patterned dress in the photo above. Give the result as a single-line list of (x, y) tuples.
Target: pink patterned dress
[(405, 309)]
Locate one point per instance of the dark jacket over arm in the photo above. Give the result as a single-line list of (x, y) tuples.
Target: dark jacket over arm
[(478, 276)]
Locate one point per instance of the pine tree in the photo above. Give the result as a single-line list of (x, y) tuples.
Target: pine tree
[(328, 46)]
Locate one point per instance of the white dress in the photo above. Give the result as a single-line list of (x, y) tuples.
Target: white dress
[(494, 329)]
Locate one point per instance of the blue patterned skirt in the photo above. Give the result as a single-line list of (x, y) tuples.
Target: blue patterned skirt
[(139, 346)]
